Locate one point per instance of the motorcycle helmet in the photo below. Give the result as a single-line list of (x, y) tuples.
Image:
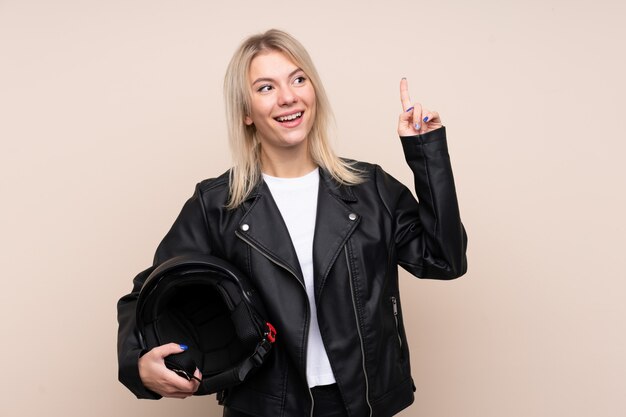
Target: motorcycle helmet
[(207, 304)]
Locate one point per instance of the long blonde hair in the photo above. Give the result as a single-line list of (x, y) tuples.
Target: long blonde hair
[(245, 147)]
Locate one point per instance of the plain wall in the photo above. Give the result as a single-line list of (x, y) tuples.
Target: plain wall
[(111, 111)]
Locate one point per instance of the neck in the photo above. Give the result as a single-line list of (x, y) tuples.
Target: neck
[(287, 163)]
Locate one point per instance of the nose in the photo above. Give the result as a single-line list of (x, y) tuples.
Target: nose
[(287, 96)]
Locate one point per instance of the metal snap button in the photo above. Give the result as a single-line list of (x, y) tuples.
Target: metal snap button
[(352, 216), (245, 227)]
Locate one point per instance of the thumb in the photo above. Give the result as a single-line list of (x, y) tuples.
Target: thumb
[(407, 115), (169, 349)]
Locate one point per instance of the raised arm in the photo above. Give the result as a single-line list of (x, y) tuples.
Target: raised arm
[(430, 238)]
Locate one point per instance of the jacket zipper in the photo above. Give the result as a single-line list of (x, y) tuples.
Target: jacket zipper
[(285, 267), (394, 303), (358, 328)]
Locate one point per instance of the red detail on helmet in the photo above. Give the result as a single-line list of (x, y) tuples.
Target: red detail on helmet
[(270, 333)]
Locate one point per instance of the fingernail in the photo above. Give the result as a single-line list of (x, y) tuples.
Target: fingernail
[(425, 119), (417, 126), (184, 347), (409, 109)]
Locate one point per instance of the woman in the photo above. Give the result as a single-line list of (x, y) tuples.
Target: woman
[(319, 236)]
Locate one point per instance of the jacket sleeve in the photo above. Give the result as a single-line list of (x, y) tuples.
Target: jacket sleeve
[(188, 234), (430, 239)]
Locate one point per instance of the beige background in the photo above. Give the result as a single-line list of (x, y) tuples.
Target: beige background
[(111, 111)]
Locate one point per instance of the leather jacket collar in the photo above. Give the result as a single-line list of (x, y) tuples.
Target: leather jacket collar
[(262, 227)]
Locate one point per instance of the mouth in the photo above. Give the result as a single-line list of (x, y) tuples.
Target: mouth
[(289, 117)]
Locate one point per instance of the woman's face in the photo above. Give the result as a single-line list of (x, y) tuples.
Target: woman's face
[(282, 102)]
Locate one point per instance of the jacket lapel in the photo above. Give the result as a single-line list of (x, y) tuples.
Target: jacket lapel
[(335, 222), (263, 227)]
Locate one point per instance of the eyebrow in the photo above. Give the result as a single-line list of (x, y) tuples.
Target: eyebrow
[(291, 74)]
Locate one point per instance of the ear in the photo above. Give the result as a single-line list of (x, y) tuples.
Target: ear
[(248, 121)]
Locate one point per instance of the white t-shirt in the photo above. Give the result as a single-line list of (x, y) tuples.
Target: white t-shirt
[(296, 199)]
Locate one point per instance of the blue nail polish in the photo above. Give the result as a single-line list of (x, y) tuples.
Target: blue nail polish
[(417, 126), (425, 119), (184, 347), (409, 109)]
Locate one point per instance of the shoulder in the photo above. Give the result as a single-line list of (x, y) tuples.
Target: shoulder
[(377, 185), (214, 185), (369, 172), (366, 170), (214, 190)]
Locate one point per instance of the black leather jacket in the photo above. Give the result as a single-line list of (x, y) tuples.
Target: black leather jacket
[(362, 234)]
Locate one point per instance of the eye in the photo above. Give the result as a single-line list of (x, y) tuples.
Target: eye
[(264, 88), (299, 80)]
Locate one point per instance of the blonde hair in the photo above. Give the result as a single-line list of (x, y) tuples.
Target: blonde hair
[(245, 147)]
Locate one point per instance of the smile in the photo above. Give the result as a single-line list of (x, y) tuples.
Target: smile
[(289, 117)]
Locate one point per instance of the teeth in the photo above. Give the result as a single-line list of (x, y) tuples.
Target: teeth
[(290, 117)]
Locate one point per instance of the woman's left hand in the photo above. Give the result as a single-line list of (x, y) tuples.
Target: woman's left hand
[(415, 120)]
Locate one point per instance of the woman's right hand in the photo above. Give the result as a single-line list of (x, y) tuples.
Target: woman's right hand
[(156, 377)]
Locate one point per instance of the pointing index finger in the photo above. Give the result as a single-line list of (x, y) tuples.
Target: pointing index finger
[(404, 94)]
